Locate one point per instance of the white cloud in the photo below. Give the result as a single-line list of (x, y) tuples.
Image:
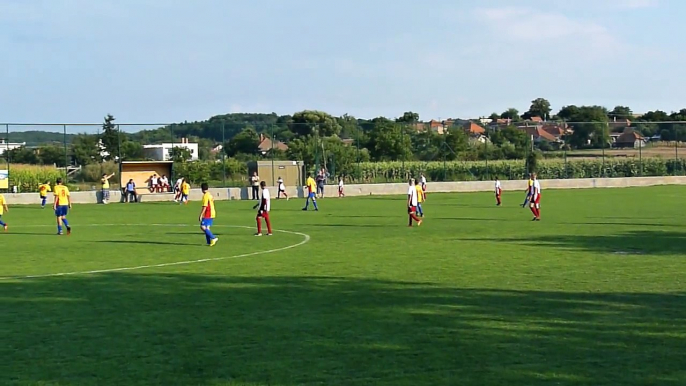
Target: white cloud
[(546, 30)]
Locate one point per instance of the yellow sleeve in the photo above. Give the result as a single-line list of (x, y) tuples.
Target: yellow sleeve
[(205, 201), (66, 191)]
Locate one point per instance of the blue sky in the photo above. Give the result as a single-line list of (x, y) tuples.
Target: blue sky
[(175, 60)]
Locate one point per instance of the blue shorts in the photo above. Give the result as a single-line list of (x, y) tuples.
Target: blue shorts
[(184, 197), (62, 210), (207, 222), (312, 195)]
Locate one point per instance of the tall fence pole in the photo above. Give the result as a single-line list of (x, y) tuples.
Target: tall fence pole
[(7, 156), (272, 154), (602, 172), (223, 156), (119, 154), (677, 164), (640, 158), (66, 154)]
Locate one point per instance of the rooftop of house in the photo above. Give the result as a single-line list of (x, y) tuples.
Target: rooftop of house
[(266, 144)]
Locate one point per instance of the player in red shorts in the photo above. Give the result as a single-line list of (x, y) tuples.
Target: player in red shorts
[(263, 212), (535, 202), (412, 204), (340, 187), (498, 191)]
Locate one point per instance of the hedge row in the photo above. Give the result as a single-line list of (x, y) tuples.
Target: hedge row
[(371, 172), (28, 178)]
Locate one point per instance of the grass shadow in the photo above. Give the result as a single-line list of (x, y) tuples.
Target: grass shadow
[(174, 329), (650, 242)]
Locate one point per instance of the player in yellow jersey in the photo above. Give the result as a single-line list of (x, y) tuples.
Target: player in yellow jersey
[(311, 192), (61, 206), (43, 190), (207, 215), (3, 210), (420, 198), (185, 191)]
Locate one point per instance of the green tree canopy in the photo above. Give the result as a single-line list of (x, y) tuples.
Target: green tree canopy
[(540, 107), (312, 122)]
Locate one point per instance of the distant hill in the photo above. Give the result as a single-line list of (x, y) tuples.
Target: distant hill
[(36, 138)]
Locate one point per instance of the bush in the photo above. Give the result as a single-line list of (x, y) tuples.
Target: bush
[(94, 172)]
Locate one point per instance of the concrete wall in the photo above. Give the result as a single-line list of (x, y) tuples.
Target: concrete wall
[(221, 194)]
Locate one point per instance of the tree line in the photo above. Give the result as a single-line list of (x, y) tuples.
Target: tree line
[(317, 137)]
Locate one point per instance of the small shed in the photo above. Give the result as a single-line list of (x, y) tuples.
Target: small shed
[(140, 172), (292, 172)]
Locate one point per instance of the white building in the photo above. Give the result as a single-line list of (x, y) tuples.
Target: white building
[(162, 152), (7, 146)]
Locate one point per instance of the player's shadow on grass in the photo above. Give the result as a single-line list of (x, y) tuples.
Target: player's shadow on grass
[(149, 242), (343, 225), (649, 242), (174, 329)]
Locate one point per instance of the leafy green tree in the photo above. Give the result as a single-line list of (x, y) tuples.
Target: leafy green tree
[(51, 155), (132, 151), (512, 135), (180, 154), (245, 142), (655, 116), (85, 149), (22, 155), (390, 141), (312, 122), (532, 161), (110, 138), (540, 107), (589, 123), (621, 112), (349, 127), (511, 113), (408, 117), (494, 117)]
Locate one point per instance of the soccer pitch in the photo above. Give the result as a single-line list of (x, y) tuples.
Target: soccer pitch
[(594, 294)]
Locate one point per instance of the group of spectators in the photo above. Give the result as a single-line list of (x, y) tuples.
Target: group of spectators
[(321, 180)]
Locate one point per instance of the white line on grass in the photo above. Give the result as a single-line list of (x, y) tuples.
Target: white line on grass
[(306, 239)]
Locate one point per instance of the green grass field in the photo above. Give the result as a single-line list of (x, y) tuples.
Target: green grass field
[(479, 295)]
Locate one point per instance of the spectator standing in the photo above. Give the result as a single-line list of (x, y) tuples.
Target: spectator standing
[(105, 187), (255, 183)]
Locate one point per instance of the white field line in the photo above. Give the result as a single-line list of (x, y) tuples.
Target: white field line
[(306, 239)]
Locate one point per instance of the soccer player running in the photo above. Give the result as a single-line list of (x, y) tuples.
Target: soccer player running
[(185, 191), (263, 212), (3, 209), (207, 215), (311, 192), (340, 187), (177, 189), (420, 198), (423, 182), (535, 202), (498, 191), (61, 206), (43, 191), (281, 189), (412, 204), (528, 190)]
